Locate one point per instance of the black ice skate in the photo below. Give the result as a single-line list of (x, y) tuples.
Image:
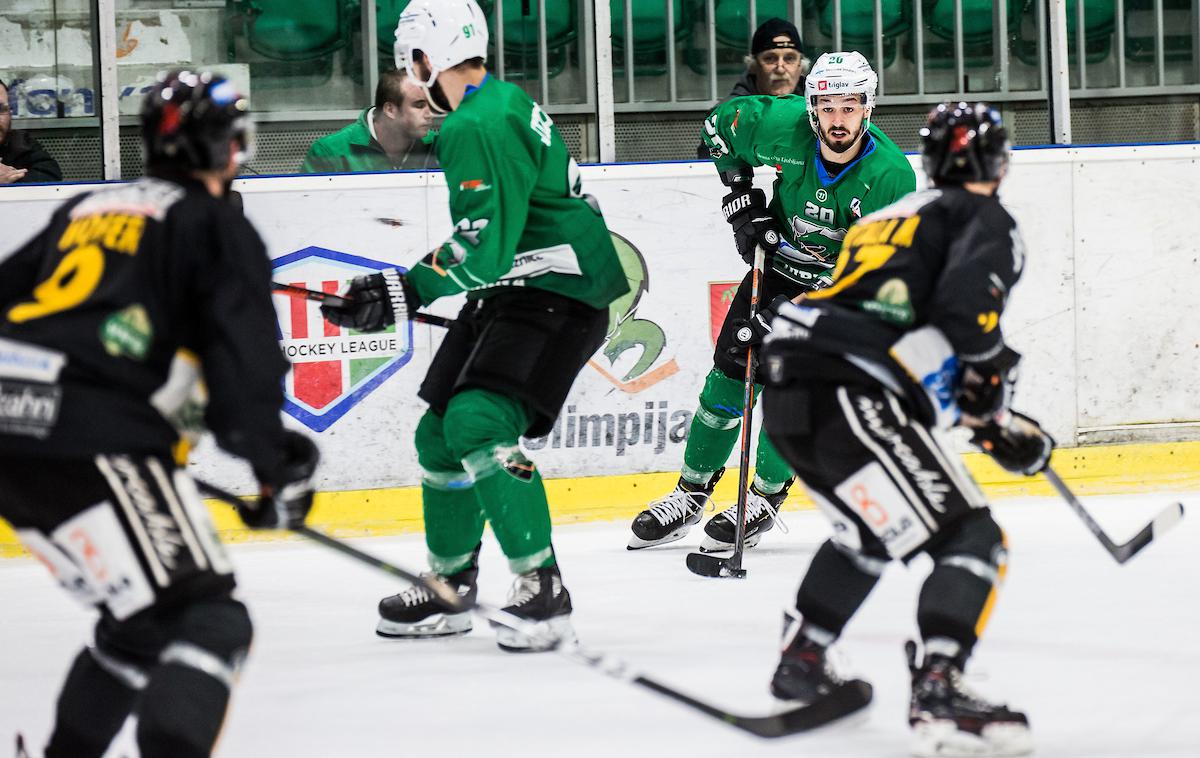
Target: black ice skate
[(417, 613), (804, 674), (761, 514), (948, 719), (670, 518), (537, 596)]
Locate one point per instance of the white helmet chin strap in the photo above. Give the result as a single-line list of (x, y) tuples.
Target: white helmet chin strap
[(437, 97)]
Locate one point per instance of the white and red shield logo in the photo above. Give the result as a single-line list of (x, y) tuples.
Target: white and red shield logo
[(333, 368)]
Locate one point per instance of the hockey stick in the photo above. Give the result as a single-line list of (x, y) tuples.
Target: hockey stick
[(731, 567), (337, 301), (850, 697), (1164, 521)]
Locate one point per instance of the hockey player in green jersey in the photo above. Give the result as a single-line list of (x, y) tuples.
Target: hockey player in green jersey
[(832, 167), (537, 263)]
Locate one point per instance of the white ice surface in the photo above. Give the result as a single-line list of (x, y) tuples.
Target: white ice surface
[(1105, 659)]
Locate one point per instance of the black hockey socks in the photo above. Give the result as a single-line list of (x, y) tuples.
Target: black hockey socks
[(91, 708), (957, 597), (183, 705), (835, 586)]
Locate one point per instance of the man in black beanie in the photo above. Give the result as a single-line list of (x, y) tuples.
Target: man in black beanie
[(775, 65)]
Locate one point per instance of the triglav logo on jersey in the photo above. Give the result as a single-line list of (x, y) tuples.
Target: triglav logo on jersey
[(333, 368)]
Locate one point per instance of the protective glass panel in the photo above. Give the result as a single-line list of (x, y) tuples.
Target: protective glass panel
[(50, 131)]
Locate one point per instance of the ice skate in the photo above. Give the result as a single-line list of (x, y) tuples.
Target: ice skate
[(538, 596), (416, 613), (670, 518), (949, 720), (804, 674), (761, 513)]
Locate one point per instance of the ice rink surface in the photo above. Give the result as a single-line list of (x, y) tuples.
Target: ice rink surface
[(1105, 659)]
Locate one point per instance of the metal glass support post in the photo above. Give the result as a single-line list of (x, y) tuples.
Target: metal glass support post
[(1081, 45), (104, 64), (1060, 74), (1121, 44), (1160, 54), (673, 85), (879, 61), (711, 17), (629, 87), (960, 68), (1002, 43), (370, 48), (919, 44), (543, 56), (500, 38), (606, 124), (837, 25)]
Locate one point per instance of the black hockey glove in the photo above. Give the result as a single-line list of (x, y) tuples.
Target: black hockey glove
[(986, 387), (750, 332), (1016, 442), (746, 211), (286, 493), (374, 302)]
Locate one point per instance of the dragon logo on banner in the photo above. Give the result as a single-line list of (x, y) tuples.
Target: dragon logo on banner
[(628, 332), (333, 368)]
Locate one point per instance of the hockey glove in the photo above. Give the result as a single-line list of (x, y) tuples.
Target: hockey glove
[(374, 302), (750, 332), (746, 211), (1016, 442), (986, 387), (286, 493)]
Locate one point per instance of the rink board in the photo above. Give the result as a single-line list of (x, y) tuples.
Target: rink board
[(1100, 317), (1098, 470)]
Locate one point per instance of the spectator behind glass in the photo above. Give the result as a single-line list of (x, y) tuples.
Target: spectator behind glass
[(22, 159), (389, 136), (774, 67)]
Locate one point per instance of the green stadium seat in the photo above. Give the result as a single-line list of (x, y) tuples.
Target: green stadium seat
[(649, 33), (733, 20), (1099, 21), (1140, 30), (978, 28), (296, 30), (521, 36), (858, 26)]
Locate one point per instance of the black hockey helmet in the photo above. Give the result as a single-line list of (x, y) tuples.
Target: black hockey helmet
[(189, 119), (966, 142)]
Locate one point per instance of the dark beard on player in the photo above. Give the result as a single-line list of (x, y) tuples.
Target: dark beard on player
[(845, 146), (437, 99)]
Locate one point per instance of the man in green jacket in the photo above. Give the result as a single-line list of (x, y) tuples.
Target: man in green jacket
[(387, 137)]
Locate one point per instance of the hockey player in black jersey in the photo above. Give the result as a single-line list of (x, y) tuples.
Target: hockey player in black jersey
[(866, 376), (110, 318)]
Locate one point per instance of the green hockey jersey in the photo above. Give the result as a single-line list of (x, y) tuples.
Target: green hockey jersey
[(814, 209), (521, 218)]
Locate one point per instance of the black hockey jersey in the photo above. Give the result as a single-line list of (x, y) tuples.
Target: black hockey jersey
[(919, 289), (97, 308)]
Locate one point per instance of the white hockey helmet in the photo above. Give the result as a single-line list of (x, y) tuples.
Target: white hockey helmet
[(448, 32), (846, 73)]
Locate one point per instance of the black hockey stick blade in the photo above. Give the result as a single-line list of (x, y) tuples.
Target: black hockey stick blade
[(337, 301), (712, 566), (847, 699), (1166, 520)]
